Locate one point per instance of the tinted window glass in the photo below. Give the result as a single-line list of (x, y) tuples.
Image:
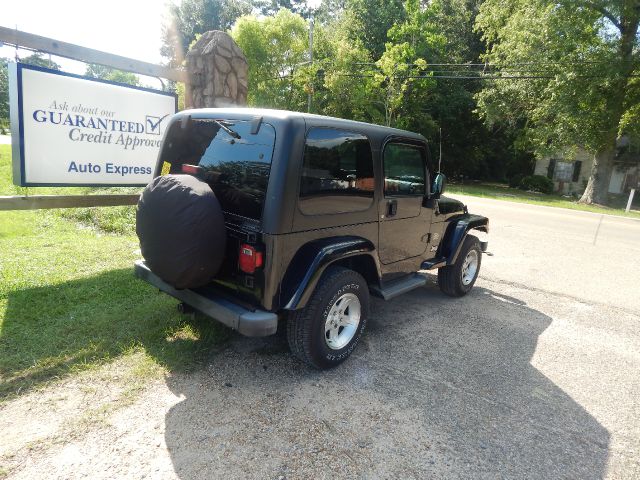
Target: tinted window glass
[(404, 170), (236, 168), (337, 172)]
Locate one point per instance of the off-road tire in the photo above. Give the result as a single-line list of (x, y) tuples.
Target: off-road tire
[(306, 327), (450, 277)]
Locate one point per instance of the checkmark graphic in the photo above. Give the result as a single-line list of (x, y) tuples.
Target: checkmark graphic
[(152, 124)]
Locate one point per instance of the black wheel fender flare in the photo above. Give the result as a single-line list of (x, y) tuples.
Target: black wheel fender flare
[(457, 229), (312, 259)]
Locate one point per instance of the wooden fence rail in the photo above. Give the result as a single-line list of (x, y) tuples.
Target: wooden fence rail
[(36, 202), (12, 37)]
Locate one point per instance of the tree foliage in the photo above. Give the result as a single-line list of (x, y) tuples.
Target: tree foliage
[(402, 67), (192, 17), (368, 21), (37, 59), (275, 48), (111, 74), (577, 59), (40, 60), (4, 91), (377, 61)]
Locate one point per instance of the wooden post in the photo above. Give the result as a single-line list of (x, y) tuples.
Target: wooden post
[(36, 202)]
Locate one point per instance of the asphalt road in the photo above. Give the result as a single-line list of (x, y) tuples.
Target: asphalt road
[(581, 254), (534, 374)]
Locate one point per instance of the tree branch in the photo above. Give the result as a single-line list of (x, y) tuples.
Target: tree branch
[(601, 9)]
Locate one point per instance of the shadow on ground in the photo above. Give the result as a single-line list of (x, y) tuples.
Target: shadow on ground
[(439, 388), (50, 331)]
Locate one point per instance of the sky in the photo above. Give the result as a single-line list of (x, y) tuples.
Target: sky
[(131, 28)]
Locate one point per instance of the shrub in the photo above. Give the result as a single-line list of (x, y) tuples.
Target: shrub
[(514, 182), (537, 183)]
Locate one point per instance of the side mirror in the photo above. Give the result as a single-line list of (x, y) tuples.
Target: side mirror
[(437, 187)]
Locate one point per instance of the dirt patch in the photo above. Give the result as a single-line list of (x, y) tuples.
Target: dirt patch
[(498, 384)]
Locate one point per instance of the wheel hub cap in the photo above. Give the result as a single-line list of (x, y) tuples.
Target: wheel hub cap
[(469, 267), (342, 321)]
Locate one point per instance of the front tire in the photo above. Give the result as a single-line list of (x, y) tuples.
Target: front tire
[(458, 279), (327, 330)]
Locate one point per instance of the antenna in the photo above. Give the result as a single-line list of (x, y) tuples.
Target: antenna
[(440, 157)]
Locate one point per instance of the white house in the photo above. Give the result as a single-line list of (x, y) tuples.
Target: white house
[(570, 170)]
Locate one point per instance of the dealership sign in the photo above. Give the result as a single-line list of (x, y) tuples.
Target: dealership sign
[(73, 130)]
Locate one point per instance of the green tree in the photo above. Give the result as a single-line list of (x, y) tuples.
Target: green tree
[(269, 8), (341, 77), (40, 60), (583, 58), (280, 75), (276, 49), (193, 17), (470, 148), (368, 21), (403, 76), (4, 92), (111, 74), (37, 59)]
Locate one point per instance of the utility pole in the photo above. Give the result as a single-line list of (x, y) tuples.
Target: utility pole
[(310, 94), (313, 5)]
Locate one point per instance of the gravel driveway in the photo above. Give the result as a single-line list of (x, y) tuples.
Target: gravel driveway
[(526, 377)]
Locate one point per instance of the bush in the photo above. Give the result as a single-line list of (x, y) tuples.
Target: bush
[(514, 182), (537, 183)]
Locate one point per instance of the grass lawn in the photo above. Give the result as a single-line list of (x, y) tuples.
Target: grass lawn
[(504, 192), (69, 300)]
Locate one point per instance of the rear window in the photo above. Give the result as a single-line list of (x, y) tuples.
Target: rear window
[(236, 168)]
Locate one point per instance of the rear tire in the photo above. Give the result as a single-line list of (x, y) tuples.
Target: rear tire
[(327, 330), (458, 279)]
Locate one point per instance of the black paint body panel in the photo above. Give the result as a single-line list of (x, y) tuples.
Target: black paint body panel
[(298, 247)]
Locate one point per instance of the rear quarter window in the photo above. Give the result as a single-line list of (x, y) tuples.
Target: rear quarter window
[(337, 172)]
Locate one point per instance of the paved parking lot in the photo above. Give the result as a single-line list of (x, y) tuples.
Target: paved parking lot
[(532, 375)]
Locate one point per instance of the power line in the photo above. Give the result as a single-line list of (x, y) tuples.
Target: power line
[(476, 77), (488, 72)]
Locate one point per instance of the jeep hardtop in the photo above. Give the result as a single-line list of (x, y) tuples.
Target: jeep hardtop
[(316, 215)]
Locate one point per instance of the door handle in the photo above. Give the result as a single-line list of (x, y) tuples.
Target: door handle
[(392, 208)]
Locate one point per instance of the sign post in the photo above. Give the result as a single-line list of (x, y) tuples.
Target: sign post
[(631, 194), (72, 130)]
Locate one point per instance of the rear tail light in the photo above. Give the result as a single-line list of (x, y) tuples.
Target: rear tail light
[(249, 259)]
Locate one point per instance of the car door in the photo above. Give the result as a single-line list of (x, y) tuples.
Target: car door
[(404, 222)]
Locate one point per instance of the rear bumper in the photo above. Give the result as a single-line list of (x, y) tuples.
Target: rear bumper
[(252, 323)]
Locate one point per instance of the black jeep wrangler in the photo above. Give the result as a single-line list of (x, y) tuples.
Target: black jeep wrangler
[(255, 215)]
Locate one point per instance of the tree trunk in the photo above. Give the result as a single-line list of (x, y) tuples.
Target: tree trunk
[(597, 190), (598, 185)]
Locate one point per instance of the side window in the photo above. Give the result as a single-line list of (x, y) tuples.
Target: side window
[(337, 172), (404, 169)]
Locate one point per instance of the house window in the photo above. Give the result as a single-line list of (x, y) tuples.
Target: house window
[(577, 166), (563, 171)]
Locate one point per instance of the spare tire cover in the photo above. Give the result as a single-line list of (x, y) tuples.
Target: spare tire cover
[(181, 230)]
